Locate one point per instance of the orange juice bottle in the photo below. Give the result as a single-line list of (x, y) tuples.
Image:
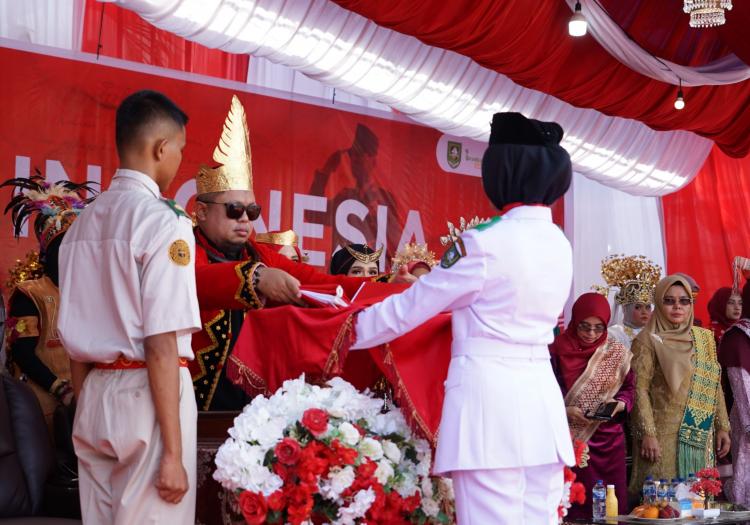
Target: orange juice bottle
[(611, 502)]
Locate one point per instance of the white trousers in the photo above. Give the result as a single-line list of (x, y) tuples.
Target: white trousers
[(513, 496), (118, 443)]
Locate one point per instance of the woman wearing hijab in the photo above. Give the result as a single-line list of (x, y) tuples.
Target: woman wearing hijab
[(593, 369), (734, 356), (680, 417), (503, 436), (356, 260), (725, 309)]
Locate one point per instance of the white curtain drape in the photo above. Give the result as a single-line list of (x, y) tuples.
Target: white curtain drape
[(438, 88), (56, 23), (601, 221), (726, 70), (264, 73)]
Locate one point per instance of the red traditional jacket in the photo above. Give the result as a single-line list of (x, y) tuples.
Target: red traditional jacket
[(224, 286)]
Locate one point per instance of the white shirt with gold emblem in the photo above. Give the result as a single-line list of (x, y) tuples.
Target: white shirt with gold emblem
[(503, 407), (127, 272)]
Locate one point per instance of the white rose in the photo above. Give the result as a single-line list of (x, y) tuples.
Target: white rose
[(371, 448), (349, 434), (384, 472), (391, 451), (430, 507), (340, 480), (362, 502), (407, 485)]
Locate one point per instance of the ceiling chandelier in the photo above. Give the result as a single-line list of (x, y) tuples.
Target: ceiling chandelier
[(707, 13)]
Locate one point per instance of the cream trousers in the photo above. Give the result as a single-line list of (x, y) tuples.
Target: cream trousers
[(118, 444)]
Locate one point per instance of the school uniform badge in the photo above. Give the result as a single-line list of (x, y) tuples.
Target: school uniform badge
[(453, 254), (179, 252)]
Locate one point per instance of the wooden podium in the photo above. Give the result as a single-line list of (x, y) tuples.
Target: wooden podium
[(213, 504)]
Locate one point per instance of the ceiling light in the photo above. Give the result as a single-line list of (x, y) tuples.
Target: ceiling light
[(577, 24)]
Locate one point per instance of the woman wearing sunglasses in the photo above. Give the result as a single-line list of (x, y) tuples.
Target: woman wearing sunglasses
[(593, 370), (680, 418)]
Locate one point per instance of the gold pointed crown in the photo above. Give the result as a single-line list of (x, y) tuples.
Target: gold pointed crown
[(287, 238), (634, 276), (363, 256), (413, 252), (235, 170)]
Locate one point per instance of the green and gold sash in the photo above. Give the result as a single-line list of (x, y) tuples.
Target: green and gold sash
[(696, 430)]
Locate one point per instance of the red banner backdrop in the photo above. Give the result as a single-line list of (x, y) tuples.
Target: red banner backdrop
[(705, 224), (329, 174)]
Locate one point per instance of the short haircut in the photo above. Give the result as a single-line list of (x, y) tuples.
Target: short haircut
[(142, 109)]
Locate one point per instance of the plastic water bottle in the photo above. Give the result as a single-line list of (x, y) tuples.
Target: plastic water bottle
[(599, 499), (662, 493), (672, 493), (649, 490)]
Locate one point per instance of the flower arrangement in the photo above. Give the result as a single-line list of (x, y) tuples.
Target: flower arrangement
[(574, 491), (329, 455), (708, 484)]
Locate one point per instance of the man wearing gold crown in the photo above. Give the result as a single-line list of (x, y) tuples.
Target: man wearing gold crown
[(235, 273), (36, 353), (635, 277)]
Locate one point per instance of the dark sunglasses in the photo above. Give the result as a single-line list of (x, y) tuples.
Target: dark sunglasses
[(597, 328), (235, 210), (671, 301)]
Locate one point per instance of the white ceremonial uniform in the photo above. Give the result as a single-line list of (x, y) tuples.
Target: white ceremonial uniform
[(624, 334), (126, 273), (504, 434)]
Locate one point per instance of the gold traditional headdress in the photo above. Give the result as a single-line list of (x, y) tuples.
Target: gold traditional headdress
[(454, 233), (413, 252), (364, 257), (235, 170), (28, 269), (287, 238), (635, 278)]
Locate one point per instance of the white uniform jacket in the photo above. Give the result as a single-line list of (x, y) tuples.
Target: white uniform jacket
[(503, 407)]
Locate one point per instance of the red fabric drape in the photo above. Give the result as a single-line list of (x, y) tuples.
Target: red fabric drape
[(281, 343), (705, 225), (125, 35), (672, 38), (528, 42)]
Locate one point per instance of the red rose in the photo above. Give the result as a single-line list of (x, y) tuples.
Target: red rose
[(276, 501), (300, 504), (315, 420), (282, 471), (253, 507), (411, 503), (577, 493), (367, 470), (342, 455), (287, 451)]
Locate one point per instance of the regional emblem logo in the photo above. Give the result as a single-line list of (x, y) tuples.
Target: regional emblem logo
[(453, 154)]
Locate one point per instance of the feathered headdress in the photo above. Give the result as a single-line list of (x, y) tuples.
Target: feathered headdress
[(56, 205), (235, 170)]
